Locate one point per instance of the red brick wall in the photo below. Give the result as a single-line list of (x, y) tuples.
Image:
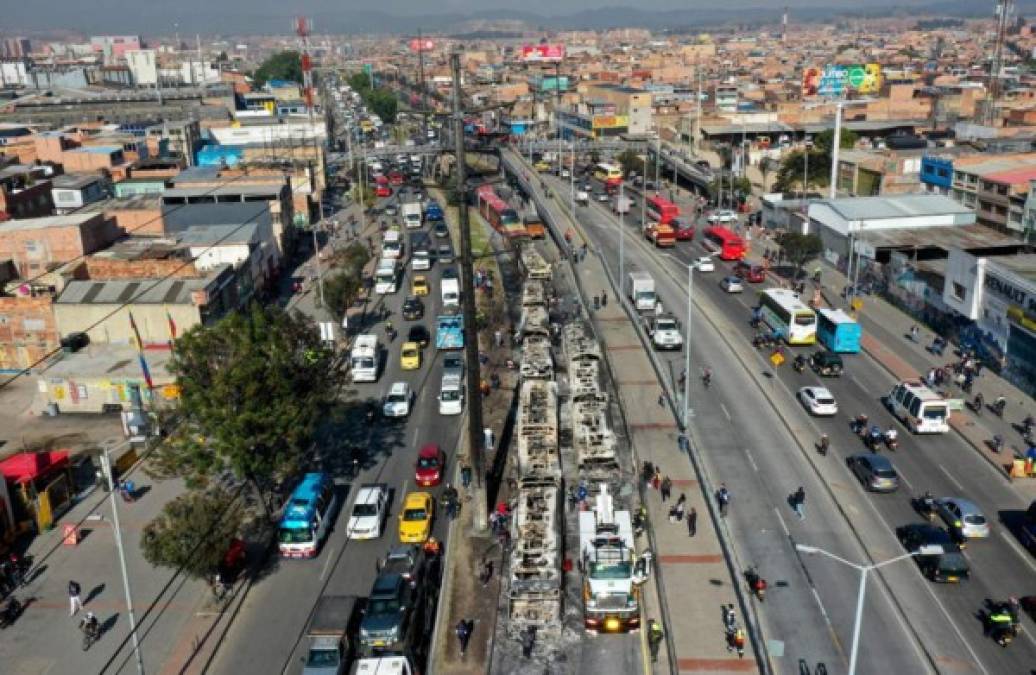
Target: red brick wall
[(23, 344), (32, 202), (35, 251)]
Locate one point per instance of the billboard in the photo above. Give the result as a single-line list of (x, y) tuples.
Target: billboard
[(549, 84), (835, 81), (543, 52), (610, 121), (421, 45)]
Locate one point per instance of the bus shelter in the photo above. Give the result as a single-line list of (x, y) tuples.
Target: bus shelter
[(40, 487)]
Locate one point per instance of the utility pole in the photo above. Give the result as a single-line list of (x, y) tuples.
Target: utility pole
[(475, 435), (424, 96), (697, 119)]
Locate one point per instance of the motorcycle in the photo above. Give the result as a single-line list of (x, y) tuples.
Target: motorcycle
[(12, 610), (924, 505), (998, 407), (799, 364), (823, 445), (639, 521), (1003, 632), (891, 443), (859, 426), (756, 583)]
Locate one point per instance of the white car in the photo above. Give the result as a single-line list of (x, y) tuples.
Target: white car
[(421, 260), (722, 217), (705, 264), (397, 400), (368, 514), (732, 285), (451, 394), (818, 401), (564, 173)]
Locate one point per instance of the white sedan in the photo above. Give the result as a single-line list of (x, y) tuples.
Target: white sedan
[(722, 217), (732, 285), (818, 401), (705, 264)]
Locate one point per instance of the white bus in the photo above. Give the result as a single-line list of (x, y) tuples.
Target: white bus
[(919, 408), (785, 313), (392, 244), (386, 276), (363, 358)]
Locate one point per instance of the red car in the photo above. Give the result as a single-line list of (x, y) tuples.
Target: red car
[(754, 274), (383, 191), (431, 464), (395, 178), (684, 232)]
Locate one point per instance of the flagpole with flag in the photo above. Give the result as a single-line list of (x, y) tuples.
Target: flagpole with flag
[(172, 328), (140, 353)]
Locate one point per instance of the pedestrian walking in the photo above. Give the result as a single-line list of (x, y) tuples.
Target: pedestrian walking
[(74, 602), (661, 399), (798, 502), (528, 641), (914, 332), (723, 497), (666, 488), (655, 637), (498, 339), (692, 522), (656, 480), (604, 298), (486, 573), (464, 628)]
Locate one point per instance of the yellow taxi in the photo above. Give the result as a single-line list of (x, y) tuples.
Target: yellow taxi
[(415, 521), (410, 356), (542, 166), (419, 286)]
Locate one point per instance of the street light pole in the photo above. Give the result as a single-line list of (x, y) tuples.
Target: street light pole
[(862, 593), (106, 466), (622, 234), (836, 141)]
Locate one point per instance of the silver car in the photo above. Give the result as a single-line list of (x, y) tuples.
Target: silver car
[(963, 516), (875, 472)]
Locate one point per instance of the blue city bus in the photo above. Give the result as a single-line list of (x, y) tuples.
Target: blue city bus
[(308, 516), (838, 331)]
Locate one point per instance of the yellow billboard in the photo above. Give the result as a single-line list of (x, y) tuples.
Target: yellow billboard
[(611, 121)]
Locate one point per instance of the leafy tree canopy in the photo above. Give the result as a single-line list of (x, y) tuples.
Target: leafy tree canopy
[(252, 388), (285, 65), (192, 532), (342, 288), (801, 248)]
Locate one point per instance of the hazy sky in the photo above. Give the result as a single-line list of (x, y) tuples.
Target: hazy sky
[(151, 17)]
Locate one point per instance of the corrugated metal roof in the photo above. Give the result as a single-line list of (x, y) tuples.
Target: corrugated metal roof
[(897, 206), (67, 220), (131, 291)]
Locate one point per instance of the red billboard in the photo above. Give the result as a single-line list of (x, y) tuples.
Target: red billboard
[(421, 45), (543, 52)]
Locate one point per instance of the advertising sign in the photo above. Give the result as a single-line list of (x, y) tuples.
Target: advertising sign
[(610, 121), (548, 84), (543, 52), (835, 81), (421, 45)]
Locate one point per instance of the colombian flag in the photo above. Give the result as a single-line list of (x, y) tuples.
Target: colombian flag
[(140, 352)]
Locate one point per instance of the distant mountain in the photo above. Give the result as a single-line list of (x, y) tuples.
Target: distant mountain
[(407, 16)]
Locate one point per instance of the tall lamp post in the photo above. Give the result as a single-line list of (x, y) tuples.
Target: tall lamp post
[(687, 341), (863, 570), (106, 467)]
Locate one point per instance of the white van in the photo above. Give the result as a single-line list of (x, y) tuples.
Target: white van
[(919, 408), (450, 290), (392, 244), (451, 395), (386, 276), (412, 215), (363, 358)]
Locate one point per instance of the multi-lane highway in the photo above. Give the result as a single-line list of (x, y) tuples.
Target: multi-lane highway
[(755, 437), (267, 635)]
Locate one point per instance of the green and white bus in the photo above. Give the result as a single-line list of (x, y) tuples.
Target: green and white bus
[(786, 315)]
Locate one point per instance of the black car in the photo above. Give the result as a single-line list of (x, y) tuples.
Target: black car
[(449, 273), (444, 253), (440, 230), (413, 308), (938, 551), (419, 334), (825, 363)]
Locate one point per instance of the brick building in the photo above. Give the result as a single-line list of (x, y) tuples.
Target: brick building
[(37, 245), (28, 332)]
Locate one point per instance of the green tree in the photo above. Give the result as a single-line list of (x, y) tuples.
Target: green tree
[(801, 248), (285, 65), (368, 196), (825, 140), (252, 388), (192, 532), (343, 287), (630, 162)]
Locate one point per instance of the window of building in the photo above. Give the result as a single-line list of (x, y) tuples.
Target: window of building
[(943, 173), (81, 391), (34, 325), (3, 319), (958, 292)]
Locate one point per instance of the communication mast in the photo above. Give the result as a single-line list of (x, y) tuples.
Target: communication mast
[(784, 25), (303, 29), (1004, 9)]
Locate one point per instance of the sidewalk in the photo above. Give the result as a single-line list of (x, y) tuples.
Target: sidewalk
[(693, 579), (886, 338)]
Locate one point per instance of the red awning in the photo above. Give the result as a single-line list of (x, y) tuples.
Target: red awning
[(27, 466)]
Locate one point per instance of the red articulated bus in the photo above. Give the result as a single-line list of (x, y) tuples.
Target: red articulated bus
[(499, 213), (661, 210), (719, 239)]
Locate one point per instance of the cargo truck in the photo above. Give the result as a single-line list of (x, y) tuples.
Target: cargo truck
[(641, 290), (334, 620), (621, 204), (662, 236), (611, 598), (449, 332), (411, 213)]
